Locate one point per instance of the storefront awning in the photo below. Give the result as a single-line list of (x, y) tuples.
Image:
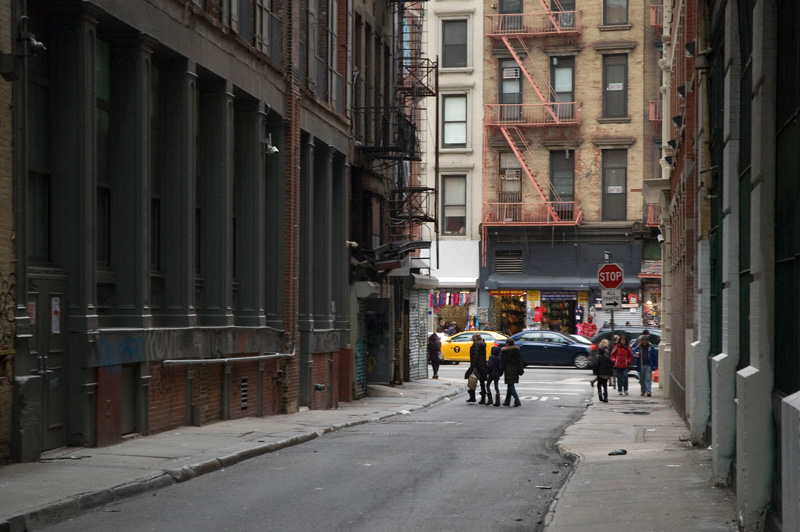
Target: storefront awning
[(530, 282), (458, 282)]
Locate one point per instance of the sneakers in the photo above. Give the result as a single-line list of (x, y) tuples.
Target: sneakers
[(642, 394), (626, 392), (649, 394)]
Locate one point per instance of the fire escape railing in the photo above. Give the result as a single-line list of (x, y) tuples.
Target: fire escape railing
[(513, 33), (534, 24), (385, 133)]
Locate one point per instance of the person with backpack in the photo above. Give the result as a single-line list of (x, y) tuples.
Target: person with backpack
[(622, 355), (477, 364), (603, 369), (495, 371), (646, 362)]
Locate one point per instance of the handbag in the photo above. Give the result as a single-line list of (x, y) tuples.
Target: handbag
[(655, 375), (441, 356), (472, 382)]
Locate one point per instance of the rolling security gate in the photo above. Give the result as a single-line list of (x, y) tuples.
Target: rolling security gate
[(418, 334)]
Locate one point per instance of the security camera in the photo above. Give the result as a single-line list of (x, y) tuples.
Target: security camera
[(35, 46), (351, 244), (271, 149)]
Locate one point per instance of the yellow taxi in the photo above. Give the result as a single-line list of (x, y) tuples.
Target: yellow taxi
[(456, 348)]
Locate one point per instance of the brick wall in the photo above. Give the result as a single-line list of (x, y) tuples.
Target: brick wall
[(320, 373), (7, 280), (167, 397)]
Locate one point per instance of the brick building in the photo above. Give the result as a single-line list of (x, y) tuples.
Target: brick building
[(728, 198), (7, 274), (182, 212), (570, 133)]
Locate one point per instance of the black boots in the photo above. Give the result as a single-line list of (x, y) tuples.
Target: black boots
[(471, 396), (483, 399), (497, 400), (489, 400)]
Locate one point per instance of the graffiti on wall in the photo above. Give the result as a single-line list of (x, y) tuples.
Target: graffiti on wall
[(8, 283), (122, 347)]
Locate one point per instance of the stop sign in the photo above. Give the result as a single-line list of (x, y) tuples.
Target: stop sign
[(610, 276)]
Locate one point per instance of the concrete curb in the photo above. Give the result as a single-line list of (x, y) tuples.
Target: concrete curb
[(575, 459), (79, 504)]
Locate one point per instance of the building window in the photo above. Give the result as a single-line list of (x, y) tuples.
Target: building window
[(615, 12), (562, 76), (562, 175), (103, 140), (615, 179), (566, 20), (510, 94), (455, 121), (454, 43), (455, 204), (615, 89), (509, 188)]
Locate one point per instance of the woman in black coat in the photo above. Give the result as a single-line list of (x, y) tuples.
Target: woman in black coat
[(603, 368), (495, 371), (511, 362), (477, 363), (434, 348)]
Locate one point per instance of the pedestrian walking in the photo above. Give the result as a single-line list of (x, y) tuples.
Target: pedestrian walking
[(495, 371), (622, 357), (477, 364), (435, 353), (646, 356), (511, 364), (603, 368), (588, 328)]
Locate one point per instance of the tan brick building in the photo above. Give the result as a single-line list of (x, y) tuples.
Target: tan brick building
[(568, 140)]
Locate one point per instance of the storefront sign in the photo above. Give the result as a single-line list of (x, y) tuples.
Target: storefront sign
[(550, 295), (514, 293)]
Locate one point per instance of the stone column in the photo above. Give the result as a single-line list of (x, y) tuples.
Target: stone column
[(214, 182), (274, 241), (322, 238), (179, 93), (306, 235), (249, 200), (130, 179), (74, 164), (340, 256)]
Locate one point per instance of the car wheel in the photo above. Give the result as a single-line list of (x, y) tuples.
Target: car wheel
[(581, 361)]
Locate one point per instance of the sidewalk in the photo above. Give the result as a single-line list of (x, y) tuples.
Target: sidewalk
[(661, 477), (662, 483)]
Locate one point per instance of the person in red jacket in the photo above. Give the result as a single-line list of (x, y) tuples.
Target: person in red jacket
[(622, 355), (588, 328)]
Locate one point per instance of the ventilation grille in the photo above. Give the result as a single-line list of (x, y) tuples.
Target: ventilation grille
[(508, 261), (244, 394)]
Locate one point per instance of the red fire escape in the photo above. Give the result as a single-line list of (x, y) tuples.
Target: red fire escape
[(504, 204)]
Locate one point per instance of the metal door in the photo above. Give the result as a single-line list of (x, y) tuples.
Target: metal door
[(48, 303)]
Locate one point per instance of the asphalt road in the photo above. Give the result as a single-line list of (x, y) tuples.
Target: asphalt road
[(454, 466)]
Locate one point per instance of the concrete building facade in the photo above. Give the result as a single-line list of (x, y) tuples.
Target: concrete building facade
[(728, 197)]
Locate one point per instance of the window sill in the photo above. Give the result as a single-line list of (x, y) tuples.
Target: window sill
[(615, 27), (456, 70), (616, 120), (445, 149)]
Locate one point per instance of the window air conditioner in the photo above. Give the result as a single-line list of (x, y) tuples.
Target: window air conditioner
[(511, 73)]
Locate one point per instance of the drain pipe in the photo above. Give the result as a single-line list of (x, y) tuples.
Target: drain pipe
[(227, 360)]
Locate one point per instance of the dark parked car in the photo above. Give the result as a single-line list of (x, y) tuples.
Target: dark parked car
[(632, 333), (551, 348)]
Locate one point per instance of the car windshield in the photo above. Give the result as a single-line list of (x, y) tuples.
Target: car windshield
[(580, 339)]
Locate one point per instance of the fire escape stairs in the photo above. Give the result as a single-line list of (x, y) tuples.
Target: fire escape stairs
[(509, 133), (513, 50)]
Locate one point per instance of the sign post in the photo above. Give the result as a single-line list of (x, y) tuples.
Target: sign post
[(609, 276)]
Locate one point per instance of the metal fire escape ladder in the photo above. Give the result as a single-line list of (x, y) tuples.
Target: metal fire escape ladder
[(553, 20), (507, 41), (507, 133)]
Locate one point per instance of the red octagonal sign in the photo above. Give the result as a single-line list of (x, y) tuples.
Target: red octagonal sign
[(610, 276)]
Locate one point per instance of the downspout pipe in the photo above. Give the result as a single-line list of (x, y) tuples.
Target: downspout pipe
[(229, 359)]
